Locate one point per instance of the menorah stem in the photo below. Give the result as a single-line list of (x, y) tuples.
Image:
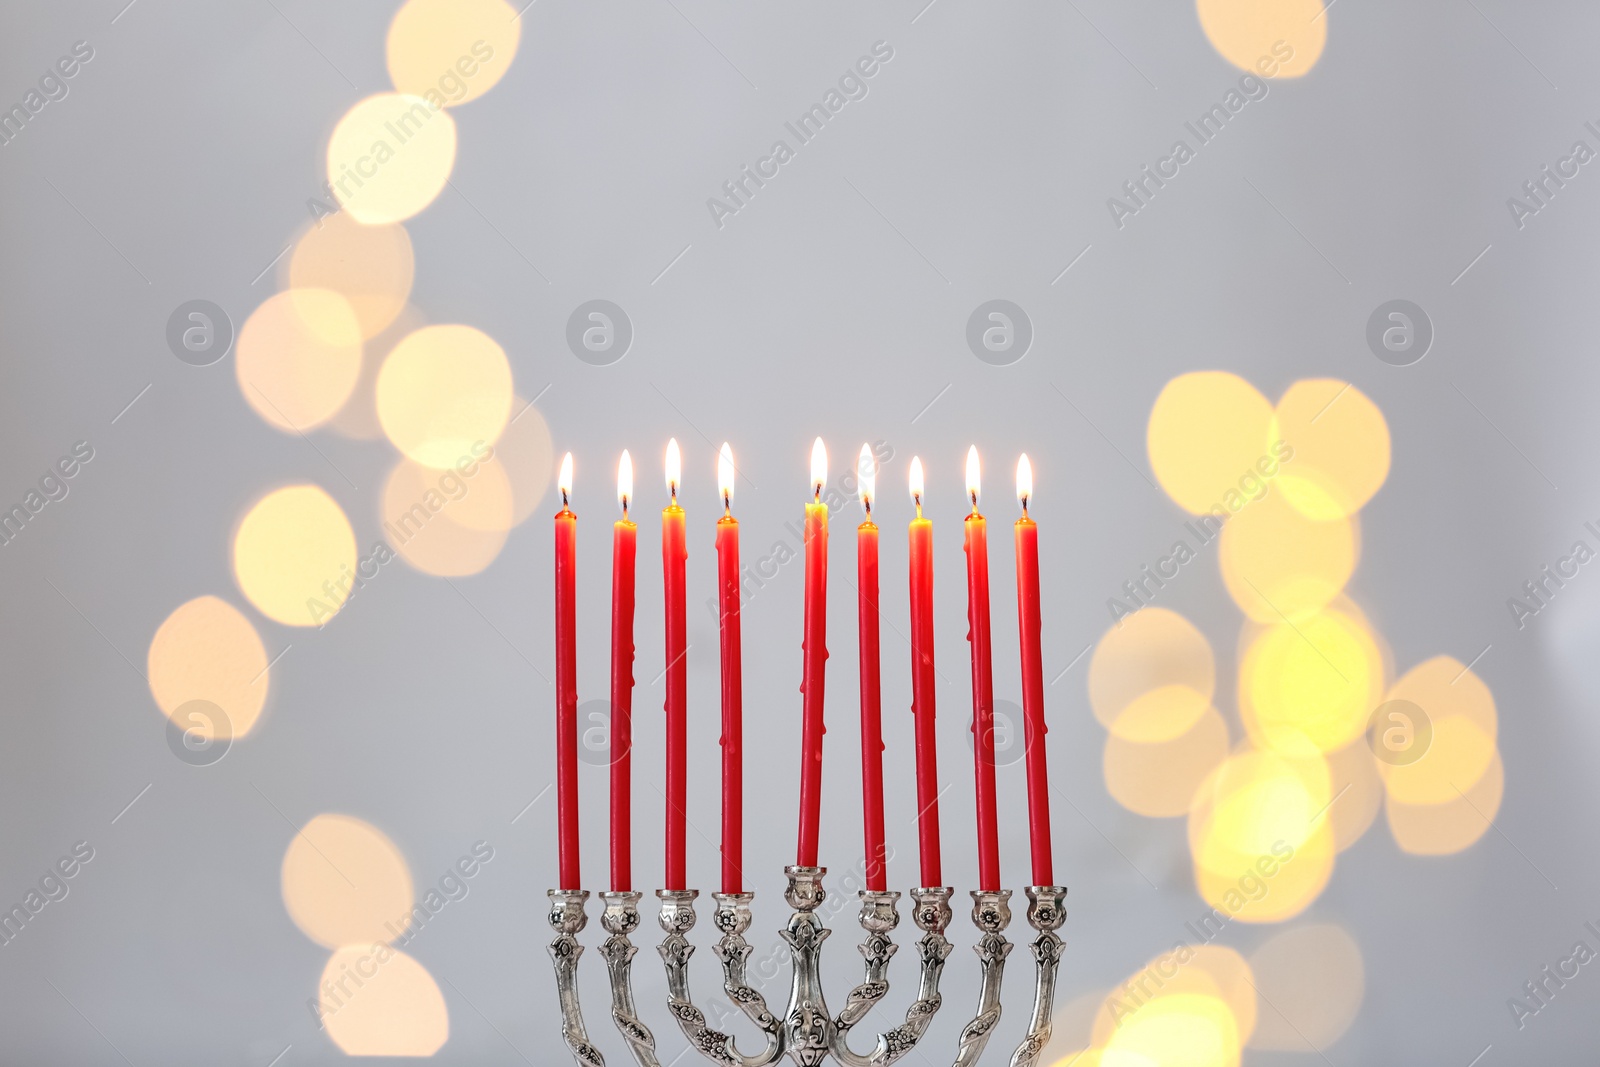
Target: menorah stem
[(808, 1029), (1045, 914), (621, 918), (568, 919), (991, 913)]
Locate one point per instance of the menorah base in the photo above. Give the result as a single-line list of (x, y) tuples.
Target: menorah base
[(806, 1032)]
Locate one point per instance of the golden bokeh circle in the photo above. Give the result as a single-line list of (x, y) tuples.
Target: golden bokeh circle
[(1234, 980), (372, 267), (1453, 826), (447, 523), (1341, 448), (390, 156), (1317, 679), (1280, 566), (1314, 979), (451, 51), (345, 883), (1152, 676), (1465, 729), (1268, 38), (1159, 779), (374, 1000), (1263, 846), (294, 555), (298, 357), (443, 390), (1192, 1029), (207, 650), (1207, 433)]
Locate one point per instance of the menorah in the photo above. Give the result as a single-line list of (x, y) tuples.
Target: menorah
[(804, 1030)]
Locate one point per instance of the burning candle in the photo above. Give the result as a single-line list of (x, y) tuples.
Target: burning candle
[(814, 653), (977, 547), (732, 681), (924, 681), (624, 549), (567, 683), (1027, 536), (871, 686), (674, 553)]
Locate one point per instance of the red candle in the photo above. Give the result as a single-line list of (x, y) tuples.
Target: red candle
[(624, 549), (977, 547), (871, 686), (924, 681), (814, 653), (567, 684), (674, 553), (1027, 533), (732, 682)]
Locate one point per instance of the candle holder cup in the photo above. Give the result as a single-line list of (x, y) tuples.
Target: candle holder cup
[(805, 1031)]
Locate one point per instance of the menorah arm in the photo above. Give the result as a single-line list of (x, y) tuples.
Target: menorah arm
[(878, 918), (991, 913), (621, 918), (1045, 914), (567, 918), (677, 919)]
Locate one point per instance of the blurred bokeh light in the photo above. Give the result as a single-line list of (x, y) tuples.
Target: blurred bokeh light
[(1208, 430), (1317, 679), (441, 391), (345, 883), (447, 523), (1279, 565), (372, 267), (207, 650), (390, 156), (1312, 980), (1159, 779), (1341, 448), (1464, 728), (298, 357), (294, 556), (1269, 38), (455, 49), (1152, 676), (1263, 847), (378, 1001)]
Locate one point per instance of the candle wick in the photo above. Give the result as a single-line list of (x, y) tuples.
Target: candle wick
[(974, 494), (1024, 505), (563, 497), (625, 505), (917, 497), (816, 495), (866, 502), (727, 504), (673, 487)]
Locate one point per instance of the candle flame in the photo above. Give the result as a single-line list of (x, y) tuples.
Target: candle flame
[(916, 483), (866, 475), (674, 468), (819, 468), (564, 480), (972, 476), (1024, 481), (625, 481), (725, 476)]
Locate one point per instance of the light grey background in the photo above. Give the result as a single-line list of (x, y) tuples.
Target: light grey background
[(836, 304)]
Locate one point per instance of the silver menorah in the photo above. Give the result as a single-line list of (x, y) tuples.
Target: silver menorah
[(805, 1031)]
